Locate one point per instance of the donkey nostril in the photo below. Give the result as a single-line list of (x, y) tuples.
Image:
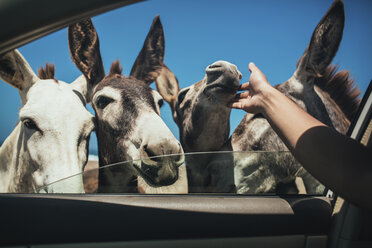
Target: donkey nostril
[(179, 160), (163, 152), (176, 157), (215, 65), (150, 154), (148, 151), (240, 75)]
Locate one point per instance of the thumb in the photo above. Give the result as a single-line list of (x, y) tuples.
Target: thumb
[(251, 67), (255, 70)]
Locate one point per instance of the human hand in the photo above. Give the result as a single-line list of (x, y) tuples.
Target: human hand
[(252, 100)]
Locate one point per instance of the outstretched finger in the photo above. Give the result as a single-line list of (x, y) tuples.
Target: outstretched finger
[(244, 86), (236, 105), (242, 95), (254, 69), (251, 67)]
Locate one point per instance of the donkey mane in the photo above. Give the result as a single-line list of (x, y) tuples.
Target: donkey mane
[(47, 72), (342, 89), (116, 68)]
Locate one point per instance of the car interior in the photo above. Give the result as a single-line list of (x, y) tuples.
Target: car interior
[(185, 220)]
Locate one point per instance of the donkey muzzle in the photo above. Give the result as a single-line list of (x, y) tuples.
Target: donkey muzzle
[(159, 163), (222, 78)]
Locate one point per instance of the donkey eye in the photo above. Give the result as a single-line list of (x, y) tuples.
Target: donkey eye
[(160, 103), (182, 95), (103, 101), (30, 124)]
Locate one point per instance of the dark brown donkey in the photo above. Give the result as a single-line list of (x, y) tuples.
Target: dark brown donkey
[(128, 123), (203, 119)]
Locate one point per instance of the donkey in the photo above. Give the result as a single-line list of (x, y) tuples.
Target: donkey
[(203, 118), (45, 145), (128, 123)]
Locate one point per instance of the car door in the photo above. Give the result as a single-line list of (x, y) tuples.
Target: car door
[(351, 225)]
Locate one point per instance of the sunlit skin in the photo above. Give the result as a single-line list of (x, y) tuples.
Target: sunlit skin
[(339, 162)]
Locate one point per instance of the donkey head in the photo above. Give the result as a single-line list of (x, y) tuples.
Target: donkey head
[(304, 87), (200, 110), (129, 126), (317, 89), (51, 141), (314, 76)]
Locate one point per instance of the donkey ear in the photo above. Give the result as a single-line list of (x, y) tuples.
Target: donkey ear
[(324, 42), (15, 71), (149, 62), (167, 85), (85, 53)]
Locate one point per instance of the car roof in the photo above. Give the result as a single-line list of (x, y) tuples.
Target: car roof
[(37, 18)]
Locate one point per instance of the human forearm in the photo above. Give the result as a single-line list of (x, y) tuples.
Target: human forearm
[(339, 162), (286, 118)]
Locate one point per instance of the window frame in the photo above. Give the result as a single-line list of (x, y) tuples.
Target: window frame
[(42, 219)]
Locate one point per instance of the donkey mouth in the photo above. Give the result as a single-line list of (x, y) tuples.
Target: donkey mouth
[(220, 88), (149, 174)]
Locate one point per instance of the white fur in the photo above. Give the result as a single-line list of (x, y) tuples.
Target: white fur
[(150, 129), (113, 111), (157, 98), (296, 85), (33, 158), (147, 135), (241, 160)]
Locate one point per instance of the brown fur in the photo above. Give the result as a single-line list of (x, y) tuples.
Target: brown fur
[(342, 90), (83, 43), (330, 28), (151, 55), (8, 70), (47, 72), (116, 68)]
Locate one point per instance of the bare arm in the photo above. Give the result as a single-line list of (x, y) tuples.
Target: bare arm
[(339, 162)]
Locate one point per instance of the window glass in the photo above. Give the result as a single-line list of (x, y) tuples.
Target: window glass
[(209, 172), (197, 34)]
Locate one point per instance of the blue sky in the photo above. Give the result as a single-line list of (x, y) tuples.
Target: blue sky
[(271, 33)]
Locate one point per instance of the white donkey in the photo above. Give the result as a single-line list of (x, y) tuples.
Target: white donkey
[(51, 140)]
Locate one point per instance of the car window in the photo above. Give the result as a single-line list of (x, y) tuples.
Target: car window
[(234, 32), (217, 175)]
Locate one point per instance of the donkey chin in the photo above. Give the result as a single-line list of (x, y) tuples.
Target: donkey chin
[(159, 171)]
